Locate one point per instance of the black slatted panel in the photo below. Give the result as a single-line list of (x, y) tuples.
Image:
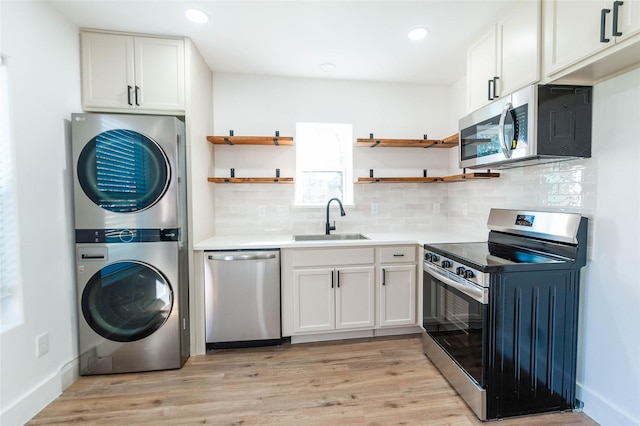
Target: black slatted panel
[(534, 329)]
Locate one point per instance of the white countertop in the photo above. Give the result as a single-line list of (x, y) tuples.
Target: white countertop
[(230, 242)]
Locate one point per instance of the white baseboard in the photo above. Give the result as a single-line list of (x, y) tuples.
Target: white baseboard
[(411, 329), (378, 332), (33, 402), (324, 337), (602, 410)]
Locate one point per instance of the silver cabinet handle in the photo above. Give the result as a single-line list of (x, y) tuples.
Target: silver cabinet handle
[(241, 256)]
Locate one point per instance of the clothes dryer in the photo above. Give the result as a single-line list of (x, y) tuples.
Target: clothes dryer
[(127, 173), (132, 307)]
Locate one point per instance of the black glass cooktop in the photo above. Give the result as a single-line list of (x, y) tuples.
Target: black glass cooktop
[(483, 255)]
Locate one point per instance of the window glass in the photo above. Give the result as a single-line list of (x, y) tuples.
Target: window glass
[(324, 166), (10, 283)]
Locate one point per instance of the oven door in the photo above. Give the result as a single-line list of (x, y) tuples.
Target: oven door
[(455, 334)]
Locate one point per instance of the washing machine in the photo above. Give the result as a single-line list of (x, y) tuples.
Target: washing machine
[(127, 173), (132, 306)]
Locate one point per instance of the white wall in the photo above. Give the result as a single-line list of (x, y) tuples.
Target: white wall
[(609, 371), (258, 105), (45, 89), (606, 189)]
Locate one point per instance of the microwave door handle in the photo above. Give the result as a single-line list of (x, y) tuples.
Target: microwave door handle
[(506, 148)]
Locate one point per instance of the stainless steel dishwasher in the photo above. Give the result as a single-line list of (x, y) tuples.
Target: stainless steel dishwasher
[(242, 298)]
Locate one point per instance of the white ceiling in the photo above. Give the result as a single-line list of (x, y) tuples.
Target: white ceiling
[(366, 40)]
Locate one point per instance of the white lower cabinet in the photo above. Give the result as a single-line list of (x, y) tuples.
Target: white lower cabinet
[(330, 291), (333, 299), (397, 286), (397, 295)]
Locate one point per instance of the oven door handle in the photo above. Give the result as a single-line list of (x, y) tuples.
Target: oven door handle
[(476, 293)]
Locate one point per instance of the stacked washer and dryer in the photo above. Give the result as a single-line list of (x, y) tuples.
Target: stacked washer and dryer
[(131, 242)]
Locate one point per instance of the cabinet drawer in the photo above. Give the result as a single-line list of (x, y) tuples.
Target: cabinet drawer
[(400, 254), (333, 257)]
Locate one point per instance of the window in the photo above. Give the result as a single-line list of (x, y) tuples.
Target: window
[(10, 290), (324, 166)]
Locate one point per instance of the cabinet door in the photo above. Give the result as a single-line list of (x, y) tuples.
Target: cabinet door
[(629, 19), (397, 295), (313, 300), (107, 70), (355, 305), (481, 67), (518, 47), (572, 31), (159, 65)]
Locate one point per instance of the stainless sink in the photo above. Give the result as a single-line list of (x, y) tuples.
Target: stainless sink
[(331, 237)]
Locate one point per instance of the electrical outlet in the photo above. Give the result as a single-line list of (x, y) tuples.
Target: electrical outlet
[(42, 344), (374, 208), (436, 208), (262, 211)]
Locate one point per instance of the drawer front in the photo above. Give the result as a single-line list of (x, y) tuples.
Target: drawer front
[(398, 254), (333, 257)]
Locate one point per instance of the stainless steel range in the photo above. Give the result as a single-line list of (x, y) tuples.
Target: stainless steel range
[(500, 317)]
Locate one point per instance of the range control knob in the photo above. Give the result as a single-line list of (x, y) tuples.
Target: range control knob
[(434, 257), (446, 264), (428, 257), (460, 270), (469, 273)]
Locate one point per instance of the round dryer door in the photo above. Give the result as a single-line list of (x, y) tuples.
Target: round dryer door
[(123, 171), (127, 301)]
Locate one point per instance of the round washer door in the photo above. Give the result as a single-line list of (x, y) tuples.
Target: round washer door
[(123, 171), (127, 301)]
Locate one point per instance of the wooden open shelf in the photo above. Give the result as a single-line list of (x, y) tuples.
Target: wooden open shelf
[(453, 178), (449, 142), (396, 143), (251, 180), (470, 176), (251, 140), (397, 179)]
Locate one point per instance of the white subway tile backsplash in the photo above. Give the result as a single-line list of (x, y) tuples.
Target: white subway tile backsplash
[(566, 186)]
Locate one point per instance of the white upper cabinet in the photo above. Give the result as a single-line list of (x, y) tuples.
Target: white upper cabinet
[(481, 70), (507, 57), (125, 73), (577, 30)]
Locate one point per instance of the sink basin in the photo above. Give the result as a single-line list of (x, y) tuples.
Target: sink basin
[(331, 237)]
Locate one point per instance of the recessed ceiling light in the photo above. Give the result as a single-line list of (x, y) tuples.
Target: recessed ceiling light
[(197, 16), (328, 67), (418, 33)]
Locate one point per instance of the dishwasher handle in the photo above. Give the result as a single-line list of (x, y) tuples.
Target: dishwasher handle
[(242, 256)]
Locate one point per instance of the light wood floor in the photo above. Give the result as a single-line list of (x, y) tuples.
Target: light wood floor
[(382, 381)]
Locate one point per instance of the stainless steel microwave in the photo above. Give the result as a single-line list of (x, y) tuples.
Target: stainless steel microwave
[(539, 123)]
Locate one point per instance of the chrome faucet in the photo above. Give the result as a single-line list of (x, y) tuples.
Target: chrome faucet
[(328, 226)]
